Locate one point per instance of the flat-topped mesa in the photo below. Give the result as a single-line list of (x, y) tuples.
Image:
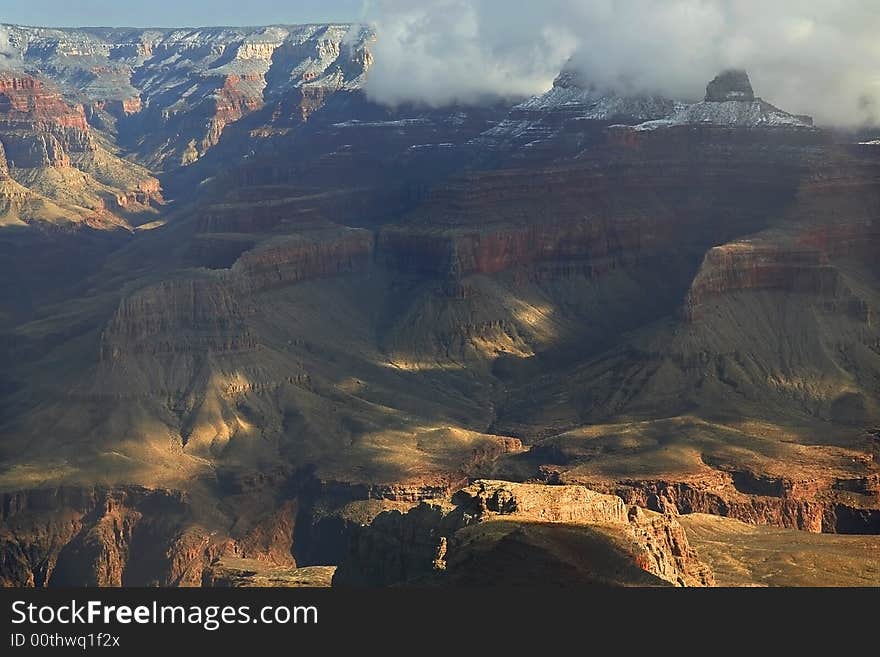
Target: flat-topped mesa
[(732, 84), (755, 265), (197, 314), (765, 263)]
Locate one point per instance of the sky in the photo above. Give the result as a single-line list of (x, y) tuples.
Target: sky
[(818, 57), (176, 13)]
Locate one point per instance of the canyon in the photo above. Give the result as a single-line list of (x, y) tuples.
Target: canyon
[(257, 327)]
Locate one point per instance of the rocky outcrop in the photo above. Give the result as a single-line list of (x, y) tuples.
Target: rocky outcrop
[(398, 548), (761, 500), (433, 544), (148, 193), (101, 537), (571, 504), (730, 85), (730, 104), (756, 265), (136, 536), (667, 552), (569, 117)]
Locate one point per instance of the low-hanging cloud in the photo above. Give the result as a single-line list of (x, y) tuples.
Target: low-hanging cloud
[(6, 49), (819, 57)]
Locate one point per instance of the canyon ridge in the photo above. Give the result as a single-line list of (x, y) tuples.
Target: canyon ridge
[(258, 329)]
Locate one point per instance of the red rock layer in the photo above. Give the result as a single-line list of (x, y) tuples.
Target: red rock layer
[(432, 544), (764, 501), (237, 96), (27, 100), (149, 192), (496, 249), (744, 266), (120, 108), (38, 127)]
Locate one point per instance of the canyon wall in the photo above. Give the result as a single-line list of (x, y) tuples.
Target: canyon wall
[(432, 544)]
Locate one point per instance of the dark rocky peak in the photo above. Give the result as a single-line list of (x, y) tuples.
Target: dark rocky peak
[(732, 84), (570, 78)]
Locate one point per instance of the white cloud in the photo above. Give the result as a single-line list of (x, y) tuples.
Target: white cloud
[(820, 57), (6, 49)]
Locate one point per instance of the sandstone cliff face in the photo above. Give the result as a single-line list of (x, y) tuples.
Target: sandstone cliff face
[(235, 96), (497, 249), (829, 223), (572, 504), (760, 500), (433, 544), (127, 536), (37, 126), (744, 266), (611, 206), (96, 537), (26, 100), (208, 311), (199, 314), (289, 260)]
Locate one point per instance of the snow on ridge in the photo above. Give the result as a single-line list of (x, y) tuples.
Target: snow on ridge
[(399, 123), (733, 113), (580, 101), (588, 103)]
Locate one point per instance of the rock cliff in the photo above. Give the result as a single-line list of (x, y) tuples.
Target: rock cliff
[(495, 525)]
